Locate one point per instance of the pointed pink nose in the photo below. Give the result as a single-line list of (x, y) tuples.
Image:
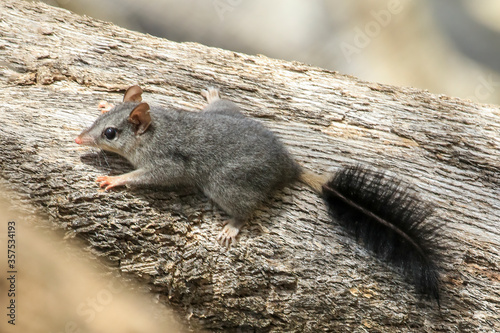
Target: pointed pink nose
[(78, 140)]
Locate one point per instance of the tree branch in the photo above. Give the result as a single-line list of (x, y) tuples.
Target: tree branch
[(293, 268)]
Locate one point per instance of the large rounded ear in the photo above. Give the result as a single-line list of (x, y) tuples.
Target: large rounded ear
[(140, 118), (133, 94)]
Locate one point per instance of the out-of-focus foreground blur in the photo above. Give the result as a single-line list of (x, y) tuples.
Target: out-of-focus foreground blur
[(50, 286), (446, 46)]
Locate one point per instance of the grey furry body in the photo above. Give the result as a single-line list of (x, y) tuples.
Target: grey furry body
[(237, 168), (238, 163)]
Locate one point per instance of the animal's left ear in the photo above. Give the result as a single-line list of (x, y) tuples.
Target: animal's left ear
[(133, 94), (140, 117)]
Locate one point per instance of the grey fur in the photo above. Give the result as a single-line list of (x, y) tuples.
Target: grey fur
[(238, 163), (233, 159)]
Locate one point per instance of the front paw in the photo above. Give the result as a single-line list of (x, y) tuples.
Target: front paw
[(108, 182), (227, 237), (104, 106)]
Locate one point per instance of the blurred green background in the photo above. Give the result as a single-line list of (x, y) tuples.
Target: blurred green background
[(446, 46)]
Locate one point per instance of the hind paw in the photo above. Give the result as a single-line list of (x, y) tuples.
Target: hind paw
[(227, 237), (211, 94)]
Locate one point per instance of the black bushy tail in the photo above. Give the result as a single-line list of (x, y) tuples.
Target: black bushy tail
[(389, 219)]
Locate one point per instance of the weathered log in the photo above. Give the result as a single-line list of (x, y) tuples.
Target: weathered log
[(293, 268)]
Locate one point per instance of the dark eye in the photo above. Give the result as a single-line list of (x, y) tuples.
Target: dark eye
[(110, 133)]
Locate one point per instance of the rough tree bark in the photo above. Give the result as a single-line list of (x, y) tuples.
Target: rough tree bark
[(293, 268)]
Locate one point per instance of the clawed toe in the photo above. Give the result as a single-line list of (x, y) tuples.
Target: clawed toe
[(105, 106), (227, 237), (108, 182), (211, 94)]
